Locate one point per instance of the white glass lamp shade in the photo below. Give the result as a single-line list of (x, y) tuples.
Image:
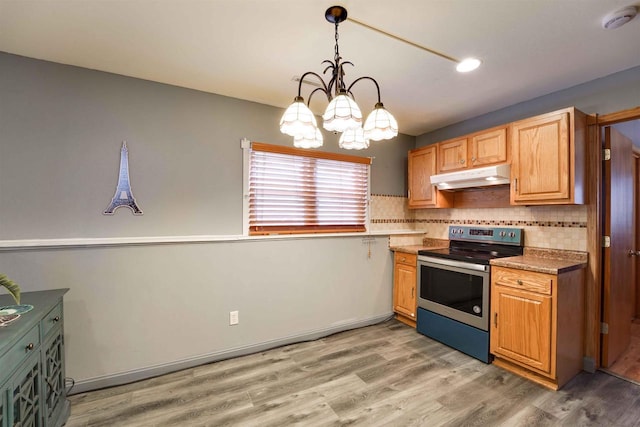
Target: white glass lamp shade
[(353, 139), (298, 120), (342, 113), (309, 140), (380, 124)]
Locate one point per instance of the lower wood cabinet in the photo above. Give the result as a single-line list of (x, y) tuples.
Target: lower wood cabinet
[(404, 287), (32, 374), (537, 323)]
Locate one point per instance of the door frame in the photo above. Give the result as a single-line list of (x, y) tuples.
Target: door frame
[(594, 291)]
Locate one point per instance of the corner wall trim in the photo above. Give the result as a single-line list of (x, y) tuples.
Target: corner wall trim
[(126, 377)]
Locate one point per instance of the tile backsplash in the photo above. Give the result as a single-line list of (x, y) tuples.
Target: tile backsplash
[(555, 227)]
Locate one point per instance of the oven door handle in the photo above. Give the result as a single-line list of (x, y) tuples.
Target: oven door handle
[(436, 262)]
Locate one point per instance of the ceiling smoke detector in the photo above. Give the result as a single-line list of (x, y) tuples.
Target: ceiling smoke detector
[(619, 18)]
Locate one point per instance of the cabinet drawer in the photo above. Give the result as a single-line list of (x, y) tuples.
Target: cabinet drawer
[(52, 319), (22, 349), (524, 280), (406, 258)]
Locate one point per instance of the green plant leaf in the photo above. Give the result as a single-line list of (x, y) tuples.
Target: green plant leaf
[(11, 286)]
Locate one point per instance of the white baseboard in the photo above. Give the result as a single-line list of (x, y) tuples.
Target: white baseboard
[(154, 371)]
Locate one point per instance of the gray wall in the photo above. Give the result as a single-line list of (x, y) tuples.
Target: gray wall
[(135, 310), (609, 94), (62, 128)]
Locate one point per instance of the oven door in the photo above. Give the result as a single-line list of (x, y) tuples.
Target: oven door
[(455, 289)]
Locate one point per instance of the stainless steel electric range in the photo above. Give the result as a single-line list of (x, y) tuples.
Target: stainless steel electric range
[(454, 285)]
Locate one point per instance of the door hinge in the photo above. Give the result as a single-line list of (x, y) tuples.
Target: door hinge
[(606, 154), (604, 328), (606, 241)]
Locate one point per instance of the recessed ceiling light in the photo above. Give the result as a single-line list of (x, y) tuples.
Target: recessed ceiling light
[(619, 18), (468, 64)]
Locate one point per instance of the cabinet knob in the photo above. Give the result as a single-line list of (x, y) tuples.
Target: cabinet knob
[(634, 253), (473, 159), (404, 259), (29, 347), (462, 161), (56, 319), (519, 282)]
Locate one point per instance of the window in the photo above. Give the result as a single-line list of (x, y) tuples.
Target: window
[(306, 191)]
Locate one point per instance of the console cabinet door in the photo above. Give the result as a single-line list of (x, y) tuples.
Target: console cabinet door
[(24, 397), (3, 406), (521, 327), (53, 375)]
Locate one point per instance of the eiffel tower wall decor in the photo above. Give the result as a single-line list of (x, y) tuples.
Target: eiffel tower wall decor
[(123, 196)]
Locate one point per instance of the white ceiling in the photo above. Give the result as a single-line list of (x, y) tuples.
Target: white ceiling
[(251, 49)]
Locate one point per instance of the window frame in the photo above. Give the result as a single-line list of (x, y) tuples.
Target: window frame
[(248, 147)]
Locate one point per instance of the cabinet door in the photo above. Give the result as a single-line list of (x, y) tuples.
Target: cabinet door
[(24, 394), (521, 327), (404, 290), (422, 164), (541, 169), (53, 375), (488, 148), (452, 155)]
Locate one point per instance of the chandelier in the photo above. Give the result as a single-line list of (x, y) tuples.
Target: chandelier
[(342, 114)]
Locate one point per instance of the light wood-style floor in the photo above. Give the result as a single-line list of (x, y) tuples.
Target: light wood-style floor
[(382, 375), (628, 364)]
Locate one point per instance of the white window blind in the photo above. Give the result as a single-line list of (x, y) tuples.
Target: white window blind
[(305, 191)]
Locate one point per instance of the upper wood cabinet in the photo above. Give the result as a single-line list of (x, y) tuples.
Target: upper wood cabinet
[(452, 155), (484, 148), (422, 164), (489, 147), (548, 159)]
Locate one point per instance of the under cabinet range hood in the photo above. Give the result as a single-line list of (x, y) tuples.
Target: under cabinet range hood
[(470, 178)]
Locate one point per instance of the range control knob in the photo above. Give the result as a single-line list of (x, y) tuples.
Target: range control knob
[(454, 231), (512, 234), (503, 233), (461, 231)]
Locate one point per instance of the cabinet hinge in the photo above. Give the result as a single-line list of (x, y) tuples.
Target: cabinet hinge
[(604, 328), (606, 241), (606, 154)]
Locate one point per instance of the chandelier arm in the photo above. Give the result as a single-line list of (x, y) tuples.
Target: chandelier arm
[(324, 87), (314, 91), (366, 78), (332, 81)]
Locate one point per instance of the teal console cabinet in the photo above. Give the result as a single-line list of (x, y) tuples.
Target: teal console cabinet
[(32, 385)]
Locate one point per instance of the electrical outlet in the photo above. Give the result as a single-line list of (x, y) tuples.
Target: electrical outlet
[(234, 318)]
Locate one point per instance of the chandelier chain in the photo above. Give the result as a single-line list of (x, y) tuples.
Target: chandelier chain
[(337, 70)]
